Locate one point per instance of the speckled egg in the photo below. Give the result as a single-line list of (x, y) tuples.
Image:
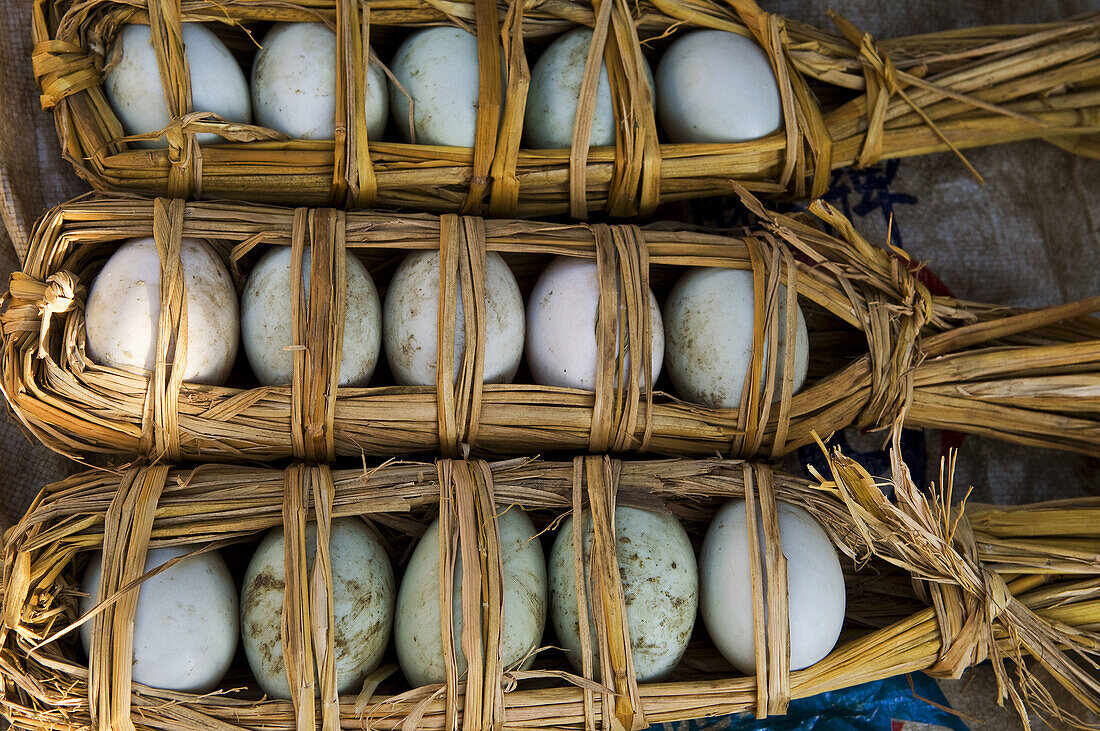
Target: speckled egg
[(555, 93), (266, 325), (709, 321), (134, 88), (410, 321), (122, 314), (185, 626), (294, 84), (717, 86), (417, 628), (660, 589), (815, 586), (561, 326), (438, 67), (362, 591)]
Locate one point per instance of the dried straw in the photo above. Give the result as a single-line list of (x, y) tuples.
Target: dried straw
[(881, 99), (888, 351), (980, 604)]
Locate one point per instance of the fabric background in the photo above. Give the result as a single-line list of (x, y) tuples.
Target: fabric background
[(1029, 236)]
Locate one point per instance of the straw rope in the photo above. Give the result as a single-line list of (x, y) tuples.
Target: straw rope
[(1000, 583), (924, 360), (897, 97)]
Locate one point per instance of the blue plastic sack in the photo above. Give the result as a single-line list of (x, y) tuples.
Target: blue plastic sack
[(868, 707)]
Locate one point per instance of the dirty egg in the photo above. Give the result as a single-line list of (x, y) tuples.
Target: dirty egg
[(555, 93), (362, 596), (133, 84), (122, 315), (660, 586), (417, 626), (266, 320), (410, 321), (709, 346), (438, 67), (294, 84)]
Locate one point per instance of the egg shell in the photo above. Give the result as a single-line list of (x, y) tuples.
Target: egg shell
[(561, 326), (410, 321), (417, 627), (294, 84), (709, 321), (660, 585), (266, 320), (133, 85), (717, 86), (555, 93), (122, 314), (438, 67), (363, 592), (815, 586), (185, 626)]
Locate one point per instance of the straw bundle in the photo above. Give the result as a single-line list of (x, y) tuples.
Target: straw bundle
[(998, 587), (884, 349), (846, 99)]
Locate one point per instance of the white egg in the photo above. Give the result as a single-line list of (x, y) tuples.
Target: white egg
[(709, 317), (134, 89), (417, 627), (717, 86), (815, 586), (410, 321), (266, 320), (185, 626), (439, 69), (294, 84), (660, 590), (555, 93), (362, 597), (561, 326), (123, 311)]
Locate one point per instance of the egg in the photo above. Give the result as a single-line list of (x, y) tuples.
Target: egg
[(555, 93), (362, 598), (438, 68), (266, 320), (717, 86), (660, 590), (561, 326), (185, 626), (815, 586), (709, 318), (133, 84), (410, 321), (294, 84), (122, 314), (417, 631)]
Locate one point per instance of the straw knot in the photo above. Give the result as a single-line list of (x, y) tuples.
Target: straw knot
[(893, 326), (58, 297), (63, 69)]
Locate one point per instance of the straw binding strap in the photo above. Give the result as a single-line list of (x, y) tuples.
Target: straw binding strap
[(461, 278), (308, 622), (597, 479), (318, 326), (468, 533), (623, 331)]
